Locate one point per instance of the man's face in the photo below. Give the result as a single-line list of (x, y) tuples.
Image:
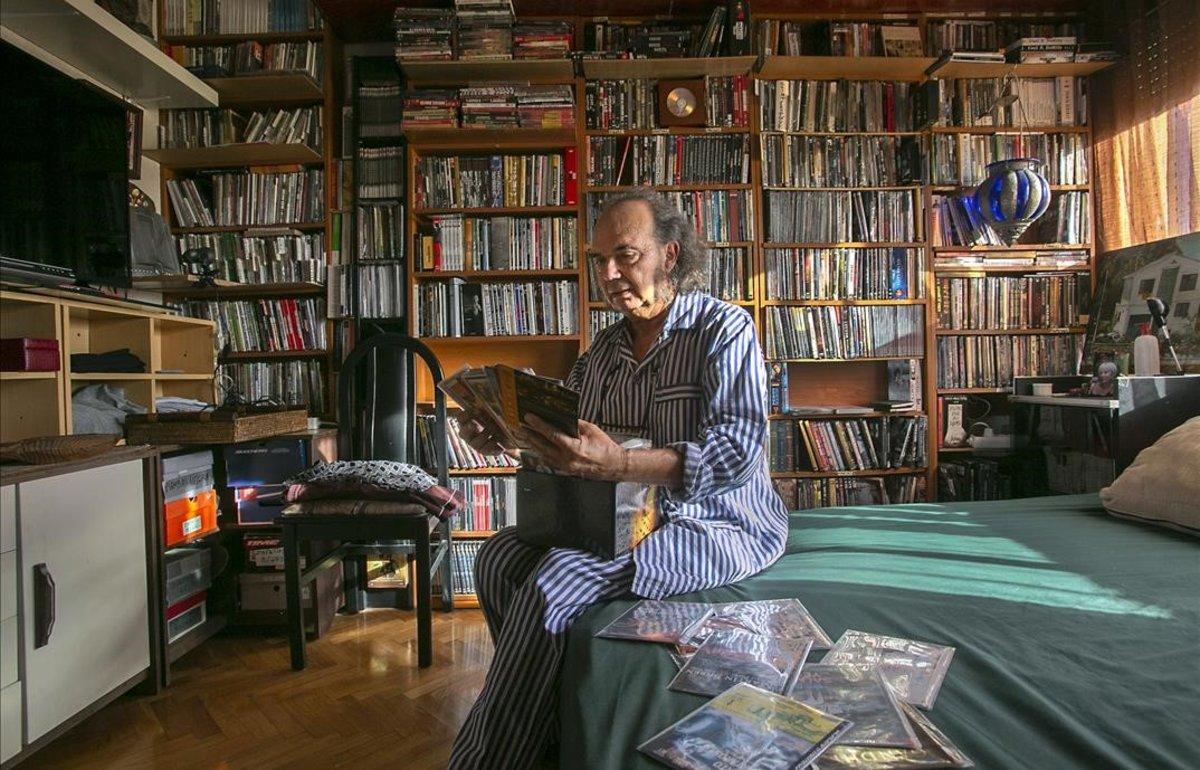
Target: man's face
[(628, 263)]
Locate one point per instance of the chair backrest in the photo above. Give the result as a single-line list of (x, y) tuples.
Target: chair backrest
[(357, 405)]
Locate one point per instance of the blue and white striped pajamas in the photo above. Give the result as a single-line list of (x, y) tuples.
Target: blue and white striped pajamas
[(701, 390)]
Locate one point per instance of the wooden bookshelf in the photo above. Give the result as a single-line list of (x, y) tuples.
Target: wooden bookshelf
[(302, 226), (273, 88), (496, 138), (665, 69), (949, 69), (910, 68), (429, 74)]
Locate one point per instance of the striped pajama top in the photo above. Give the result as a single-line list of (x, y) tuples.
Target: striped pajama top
[(701, 389)]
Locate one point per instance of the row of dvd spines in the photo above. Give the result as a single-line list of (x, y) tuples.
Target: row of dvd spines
[(833, 332), (830, 216), (381, 290), (1012, 302), (458, 308), (249, 58), (668, 160), (618, 105), (804, 494), (284, 258), (247, 199), (459, 454), (864, 443), (265, 325), (957, 221), (991, 361), (962, 159), (208, 128), (844, 274), (453, 181), (289, 383)]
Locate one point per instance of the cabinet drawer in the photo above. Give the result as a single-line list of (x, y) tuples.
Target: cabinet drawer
[(8, 585), (8, 518), (10, 721), (8, 652)]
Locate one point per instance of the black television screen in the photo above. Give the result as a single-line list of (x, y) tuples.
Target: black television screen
[(64, 179)]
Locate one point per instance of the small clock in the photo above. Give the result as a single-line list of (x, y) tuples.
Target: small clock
[(681, 103)]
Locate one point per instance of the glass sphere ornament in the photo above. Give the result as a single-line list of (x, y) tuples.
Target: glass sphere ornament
[(1013, 196)]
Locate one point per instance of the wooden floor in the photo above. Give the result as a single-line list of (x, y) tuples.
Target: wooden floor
[(235, 703)]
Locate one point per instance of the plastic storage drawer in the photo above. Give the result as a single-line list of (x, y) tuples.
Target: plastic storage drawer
[(185, 616), (189, 570), (187, 475), (191, 517)]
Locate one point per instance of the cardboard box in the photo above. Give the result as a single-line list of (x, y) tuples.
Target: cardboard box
[(604, 517)]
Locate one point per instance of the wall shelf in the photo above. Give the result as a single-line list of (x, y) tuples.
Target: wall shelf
[(256, 154), (92, 40), (909, 68), (970, 69), (624, 69), (457, 72), (274, 88)]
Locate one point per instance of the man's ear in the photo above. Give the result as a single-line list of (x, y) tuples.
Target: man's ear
[(672, 254)]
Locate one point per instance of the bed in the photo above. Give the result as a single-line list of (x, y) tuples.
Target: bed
[(1078, 634)]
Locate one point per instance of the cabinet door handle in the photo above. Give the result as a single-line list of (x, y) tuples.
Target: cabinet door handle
[(43, 605)]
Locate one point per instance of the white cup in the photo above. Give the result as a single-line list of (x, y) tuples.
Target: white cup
[(1042, 388)]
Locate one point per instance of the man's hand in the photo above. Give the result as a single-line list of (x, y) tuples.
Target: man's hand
[(593, 455), (488, 441)]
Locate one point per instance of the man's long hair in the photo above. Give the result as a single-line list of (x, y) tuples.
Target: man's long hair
[(691, 266)]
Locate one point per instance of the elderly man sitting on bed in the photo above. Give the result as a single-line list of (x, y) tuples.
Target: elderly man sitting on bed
[(683, 370)]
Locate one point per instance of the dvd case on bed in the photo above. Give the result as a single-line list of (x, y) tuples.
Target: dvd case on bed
[(730, 656), (915, 670), (936, 751), (781, 618), (859, 694), (745, 727), (652, 620)]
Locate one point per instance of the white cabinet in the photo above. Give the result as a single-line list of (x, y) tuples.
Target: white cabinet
[(83, 584)]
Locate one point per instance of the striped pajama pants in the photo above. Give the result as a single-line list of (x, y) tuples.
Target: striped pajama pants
[(529, 596)]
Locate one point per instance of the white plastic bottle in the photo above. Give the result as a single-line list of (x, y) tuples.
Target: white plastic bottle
[(1145, 352)]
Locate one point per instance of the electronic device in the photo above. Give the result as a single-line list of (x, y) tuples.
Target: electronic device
[(64, 180)]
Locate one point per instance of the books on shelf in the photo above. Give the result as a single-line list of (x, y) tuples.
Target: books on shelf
[(430, 108), (249, 58), (381, 290), (828, 216), (545, 106), (248, 198), (668, 160), (618, 105), (457, 308), (491, 502), (804, 494), (979, 102), (991, 35), (864, 443), (451, 181), (838, 105), (380, 229), (844, 274), (962, 159), (973, 479), (456, 242), (201, 17), (830, 332), (655, 39), (380, 107), (599, 320), (1033, 260), (380, 172), (423, 34), (1041, 50), (991, 361), (484, 36), (904, 386), (730, 275), (459, 454), (841, 161), (865, 38), (210, 128), (462, 567), (1013, 302), (494, 107), (284, 256), (719, 216), (956, 221), (291, 383), (542, 39), (265, 325)]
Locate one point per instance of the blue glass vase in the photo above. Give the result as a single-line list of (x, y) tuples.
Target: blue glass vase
[(1013, 196)]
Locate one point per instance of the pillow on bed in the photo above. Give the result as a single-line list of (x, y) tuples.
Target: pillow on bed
[(1162, 486)]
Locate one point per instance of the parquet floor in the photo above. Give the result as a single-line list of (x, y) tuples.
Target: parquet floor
[(234, 702)]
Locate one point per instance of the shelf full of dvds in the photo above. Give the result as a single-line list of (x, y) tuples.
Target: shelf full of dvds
[(458, 308), (489, 181), (615, 161), (265, 325), (981, 361), (1012, 302), (957, 221), (622, 105), (830, 332), (791, 161), (890, 216), (453, 242), (805, 494), (838, 106), (867, 443), (962, 159), (290, 383), (248, 199), (844, 274), (250, 58), (282, 257)]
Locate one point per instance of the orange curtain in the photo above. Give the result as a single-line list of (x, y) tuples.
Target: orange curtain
[(1145, 114)]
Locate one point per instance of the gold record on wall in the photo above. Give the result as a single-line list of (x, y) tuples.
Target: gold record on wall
[(681, 102)]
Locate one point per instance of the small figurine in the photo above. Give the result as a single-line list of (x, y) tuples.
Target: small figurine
[(1105, 381)]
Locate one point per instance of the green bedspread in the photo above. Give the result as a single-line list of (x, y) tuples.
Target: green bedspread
[(1077, 634)]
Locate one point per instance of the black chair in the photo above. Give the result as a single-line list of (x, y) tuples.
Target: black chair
[(361, 535)]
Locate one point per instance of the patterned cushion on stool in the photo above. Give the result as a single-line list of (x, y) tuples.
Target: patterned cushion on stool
[(383, 480)]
